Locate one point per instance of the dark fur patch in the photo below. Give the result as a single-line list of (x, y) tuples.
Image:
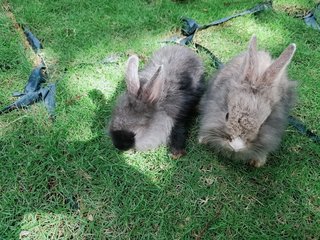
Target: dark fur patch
[(123, 140), (191, 100)]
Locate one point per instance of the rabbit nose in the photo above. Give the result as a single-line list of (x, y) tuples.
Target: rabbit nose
[(122, 139), (237, 144)]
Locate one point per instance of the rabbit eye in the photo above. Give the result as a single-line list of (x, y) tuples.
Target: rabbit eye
[(227, 116), (239, 120)]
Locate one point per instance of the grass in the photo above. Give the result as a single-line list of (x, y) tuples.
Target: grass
[(65, 180)]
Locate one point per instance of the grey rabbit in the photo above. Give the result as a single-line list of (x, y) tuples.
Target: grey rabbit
[(158, 102), (245, 109)]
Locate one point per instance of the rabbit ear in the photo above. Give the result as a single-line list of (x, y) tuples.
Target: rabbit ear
[(132, 77), (153, 88), (251, 70), (279, 65)]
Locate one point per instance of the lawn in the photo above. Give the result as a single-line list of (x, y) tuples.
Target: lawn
[(65, 180)]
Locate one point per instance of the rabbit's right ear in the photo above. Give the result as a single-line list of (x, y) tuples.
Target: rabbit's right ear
[(250, 69), (132, 77)]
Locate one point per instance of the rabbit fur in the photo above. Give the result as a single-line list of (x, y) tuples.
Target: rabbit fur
[(158, 102), (245, 109)]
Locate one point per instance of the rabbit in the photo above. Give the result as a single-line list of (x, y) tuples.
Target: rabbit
[(244, 112), (158, 102)]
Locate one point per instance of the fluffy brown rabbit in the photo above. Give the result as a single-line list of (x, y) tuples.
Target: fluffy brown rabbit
[(245, 110), (158, 102)]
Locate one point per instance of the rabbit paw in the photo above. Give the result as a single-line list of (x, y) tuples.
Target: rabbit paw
[(177, 153), (257, 163)]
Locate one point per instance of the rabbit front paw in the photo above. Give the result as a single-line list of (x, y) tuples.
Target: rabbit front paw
[(177, 153), (257, 163)]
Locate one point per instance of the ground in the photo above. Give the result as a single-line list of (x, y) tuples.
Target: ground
[(65, 180)]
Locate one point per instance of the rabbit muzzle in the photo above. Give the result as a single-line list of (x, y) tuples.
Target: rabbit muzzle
[(237, 144)]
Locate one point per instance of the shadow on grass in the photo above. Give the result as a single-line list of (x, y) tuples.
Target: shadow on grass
[(76, 183)]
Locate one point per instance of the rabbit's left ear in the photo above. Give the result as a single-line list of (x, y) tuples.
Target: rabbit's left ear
[(279, 65), (153, 88)]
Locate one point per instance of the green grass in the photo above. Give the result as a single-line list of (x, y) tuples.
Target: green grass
[(65, 180)]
